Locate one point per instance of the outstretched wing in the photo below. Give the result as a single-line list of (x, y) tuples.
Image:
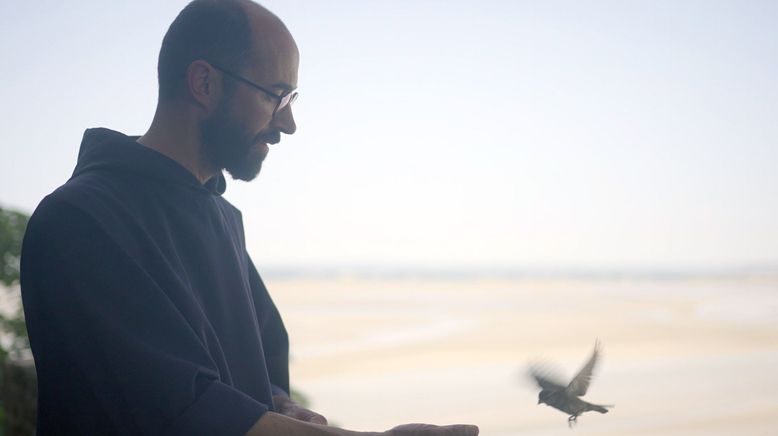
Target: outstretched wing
[(546, 381), (580, 382)]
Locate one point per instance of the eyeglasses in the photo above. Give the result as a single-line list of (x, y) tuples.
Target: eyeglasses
[(282, 101)]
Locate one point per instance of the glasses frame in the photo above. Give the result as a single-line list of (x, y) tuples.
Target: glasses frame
[(282, 101)]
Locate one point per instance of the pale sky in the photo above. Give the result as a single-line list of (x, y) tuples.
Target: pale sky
[(556, 134)]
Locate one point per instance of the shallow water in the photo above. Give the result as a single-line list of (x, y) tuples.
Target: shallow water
[(681, 357)]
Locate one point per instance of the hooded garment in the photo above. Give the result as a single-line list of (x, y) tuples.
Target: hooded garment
[(146, 315)]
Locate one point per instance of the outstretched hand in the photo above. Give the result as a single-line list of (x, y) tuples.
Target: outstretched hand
[(287, 407), (433, 430)]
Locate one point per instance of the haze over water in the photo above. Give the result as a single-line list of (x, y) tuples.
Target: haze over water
[(688, 356)]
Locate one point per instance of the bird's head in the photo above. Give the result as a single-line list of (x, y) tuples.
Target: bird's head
[(543, 396)]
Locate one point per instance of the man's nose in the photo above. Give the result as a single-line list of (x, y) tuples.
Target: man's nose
[(284, 121)]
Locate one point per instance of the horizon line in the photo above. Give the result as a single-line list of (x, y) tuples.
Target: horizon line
[(516, 272)]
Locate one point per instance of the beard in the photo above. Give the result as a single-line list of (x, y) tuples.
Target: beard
[(228, 144)]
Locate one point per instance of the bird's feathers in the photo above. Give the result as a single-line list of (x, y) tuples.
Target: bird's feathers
[(546, 381), (580, 383), (578, 386)]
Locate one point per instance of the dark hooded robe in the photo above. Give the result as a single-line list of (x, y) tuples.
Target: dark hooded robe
[(145, 313)]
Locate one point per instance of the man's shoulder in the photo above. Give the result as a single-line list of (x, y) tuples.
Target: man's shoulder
[(54, 211), (54, 223), (88, 200), (73, 196)]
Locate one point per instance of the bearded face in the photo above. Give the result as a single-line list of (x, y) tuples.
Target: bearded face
[(229, 143)]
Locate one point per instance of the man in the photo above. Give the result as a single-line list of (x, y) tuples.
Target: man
[(145, 313)]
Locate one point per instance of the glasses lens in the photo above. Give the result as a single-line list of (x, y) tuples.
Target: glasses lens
[(292, 98), (286, 100)]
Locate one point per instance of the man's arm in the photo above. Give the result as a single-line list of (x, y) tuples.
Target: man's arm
[(275, 344), (275, 340), (291, 419), (272, 424)]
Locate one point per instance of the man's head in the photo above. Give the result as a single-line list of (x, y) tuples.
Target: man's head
[(234, 62)]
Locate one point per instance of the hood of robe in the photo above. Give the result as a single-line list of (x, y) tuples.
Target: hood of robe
[(107, 150)]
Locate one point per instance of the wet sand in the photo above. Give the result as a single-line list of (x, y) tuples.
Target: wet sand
[(681, 357)]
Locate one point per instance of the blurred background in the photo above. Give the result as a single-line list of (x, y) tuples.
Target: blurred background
[(474, 186)]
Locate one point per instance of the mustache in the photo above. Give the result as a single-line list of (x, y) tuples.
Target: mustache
[(273, 137)]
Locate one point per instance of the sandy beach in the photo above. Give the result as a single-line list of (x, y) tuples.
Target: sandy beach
[(681, 356)]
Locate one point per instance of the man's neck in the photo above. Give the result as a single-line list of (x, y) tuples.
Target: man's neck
[(177, 137)]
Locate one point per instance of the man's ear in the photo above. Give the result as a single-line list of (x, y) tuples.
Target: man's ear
[(204, 85)]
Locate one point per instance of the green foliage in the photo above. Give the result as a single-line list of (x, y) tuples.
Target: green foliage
[(16, 327), (12, 225)]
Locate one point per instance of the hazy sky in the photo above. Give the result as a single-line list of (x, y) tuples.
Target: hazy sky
[(430, 133)]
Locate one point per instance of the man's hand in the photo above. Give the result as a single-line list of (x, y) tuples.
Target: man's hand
[(433, 430), (285, 406), (273, 423)]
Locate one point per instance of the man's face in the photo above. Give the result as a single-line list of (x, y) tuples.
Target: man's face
[(236, 135), (231, 143)]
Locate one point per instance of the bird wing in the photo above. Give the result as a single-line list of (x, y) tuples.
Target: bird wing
[(580, 382), (546, 381)]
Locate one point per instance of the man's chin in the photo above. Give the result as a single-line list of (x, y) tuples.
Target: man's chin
[(244, 173), (249, 167)]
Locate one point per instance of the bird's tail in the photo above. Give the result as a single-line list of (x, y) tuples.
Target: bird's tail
[(602, 408)]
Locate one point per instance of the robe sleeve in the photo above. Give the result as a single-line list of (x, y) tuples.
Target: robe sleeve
[(275, 340), (105, 333)]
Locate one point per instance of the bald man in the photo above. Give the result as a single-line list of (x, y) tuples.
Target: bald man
[(145, 313)]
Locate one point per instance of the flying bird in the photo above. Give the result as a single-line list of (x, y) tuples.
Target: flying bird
[(565, 398)]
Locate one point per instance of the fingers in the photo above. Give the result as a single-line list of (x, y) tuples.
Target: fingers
[(317, 419), (308, 416)]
